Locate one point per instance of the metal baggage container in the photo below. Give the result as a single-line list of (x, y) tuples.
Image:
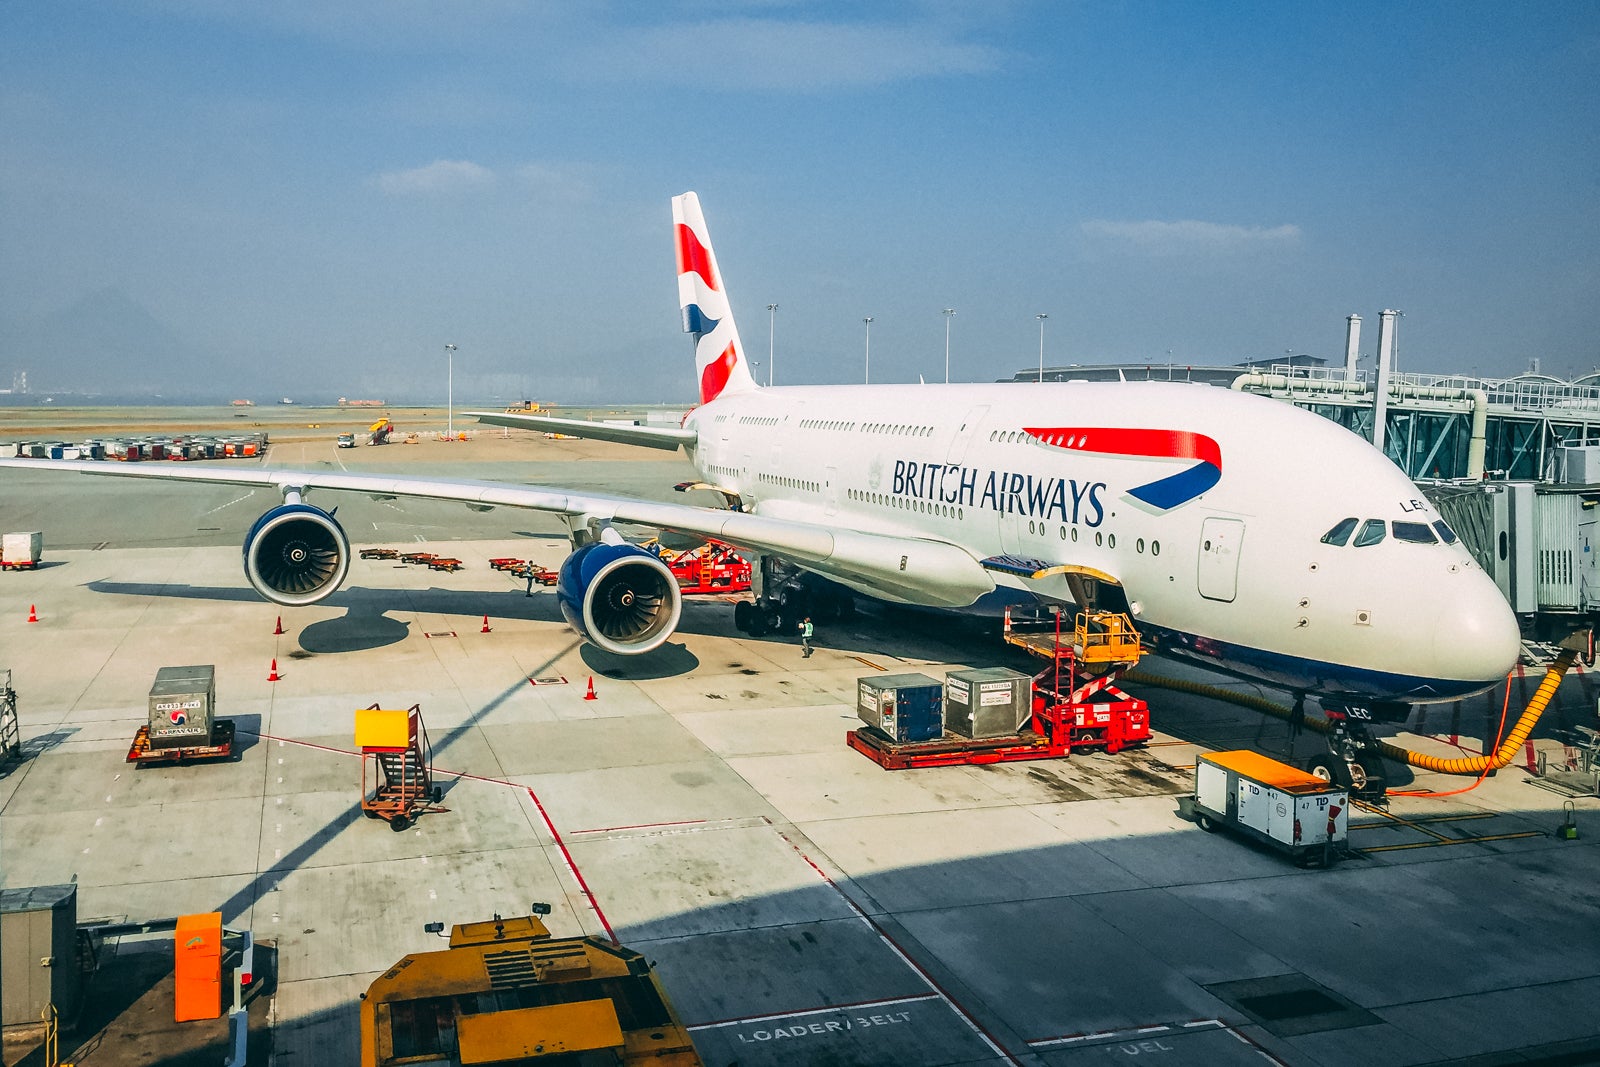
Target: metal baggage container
[(987, 702), (182, 706), (903, 707)]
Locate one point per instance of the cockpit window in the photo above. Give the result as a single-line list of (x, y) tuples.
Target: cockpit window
[(1447, 535), (1415, 533), (1340, 533), (1371, 533)]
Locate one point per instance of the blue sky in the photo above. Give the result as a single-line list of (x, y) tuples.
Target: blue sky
[(311, 197)]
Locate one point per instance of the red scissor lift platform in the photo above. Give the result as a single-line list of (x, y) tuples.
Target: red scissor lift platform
[(1089, 712), (395, 759), (714, 567)]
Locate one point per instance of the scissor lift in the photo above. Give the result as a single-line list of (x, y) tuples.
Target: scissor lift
[(396, 758)]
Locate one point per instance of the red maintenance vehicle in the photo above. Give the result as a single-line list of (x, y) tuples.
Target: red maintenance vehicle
[(1075, 703), (714, 567)]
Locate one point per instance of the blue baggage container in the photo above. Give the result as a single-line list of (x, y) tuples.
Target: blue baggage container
[(903, 707)]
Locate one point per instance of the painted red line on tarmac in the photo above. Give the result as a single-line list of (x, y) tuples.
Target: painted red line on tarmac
[(852, 1006), (883, 935), (573, 867), (432, 767), (549, 824)]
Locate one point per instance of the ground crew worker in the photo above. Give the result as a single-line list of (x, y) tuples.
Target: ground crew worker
[(805, 637)]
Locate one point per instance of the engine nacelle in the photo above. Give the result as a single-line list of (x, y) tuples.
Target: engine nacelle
[(296, 554), (622, 598)]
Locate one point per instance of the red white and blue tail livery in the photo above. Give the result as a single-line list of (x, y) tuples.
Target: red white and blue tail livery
[(718, 354)]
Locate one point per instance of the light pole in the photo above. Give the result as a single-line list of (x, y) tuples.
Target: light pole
[(450, 391), (867, 322), (772, 333), (1041, 317), (948, 313)]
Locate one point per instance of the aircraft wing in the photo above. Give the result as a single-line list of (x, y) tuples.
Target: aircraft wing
[(667, 437), (915, 570)]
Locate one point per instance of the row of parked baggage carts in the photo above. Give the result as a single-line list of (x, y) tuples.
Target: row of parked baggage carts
[(185, 447)]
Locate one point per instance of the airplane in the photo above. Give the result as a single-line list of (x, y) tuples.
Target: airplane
[(1241, 533)]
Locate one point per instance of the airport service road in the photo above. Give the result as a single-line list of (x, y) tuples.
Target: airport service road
[(802, 904)]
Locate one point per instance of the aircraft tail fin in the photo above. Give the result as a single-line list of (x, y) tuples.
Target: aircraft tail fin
[(718, 353)]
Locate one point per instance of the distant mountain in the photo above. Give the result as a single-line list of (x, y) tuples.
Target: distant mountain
[(105, 342)]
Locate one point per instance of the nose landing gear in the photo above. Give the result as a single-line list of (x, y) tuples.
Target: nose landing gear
[(1352, 759)]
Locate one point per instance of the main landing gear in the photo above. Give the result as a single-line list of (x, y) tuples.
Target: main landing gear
[(786, 595)]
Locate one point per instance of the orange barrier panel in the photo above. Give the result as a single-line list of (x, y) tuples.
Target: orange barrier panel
[(197, 967)]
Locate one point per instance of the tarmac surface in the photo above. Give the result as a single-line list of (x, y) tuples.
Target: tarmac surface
[(801, 904)]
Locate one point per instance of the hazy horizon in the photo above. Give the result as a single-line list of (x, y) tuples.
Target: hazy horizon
[(208, 199)]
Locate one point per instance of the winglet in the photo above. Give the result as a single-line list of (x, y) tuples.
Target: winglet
[(719, 356)]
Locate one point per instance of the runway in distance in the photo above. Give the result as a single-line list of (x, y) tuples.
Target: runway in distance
[(1240, 532)]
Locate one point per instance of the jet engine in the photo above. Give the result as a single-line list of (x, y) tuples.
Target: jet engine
[(296, 554), (621, 598)]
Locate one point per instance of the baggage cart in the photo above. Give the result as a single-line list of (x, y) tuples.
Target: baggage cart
[(21, 551), (219, 745), (1278, 805)]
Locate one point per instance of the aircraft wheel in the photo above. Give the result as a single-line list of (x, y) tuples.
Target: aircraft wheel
[(1330, 768), (847, 605), (743, 611), (1205, 822), (758, 622), (1366, 776)]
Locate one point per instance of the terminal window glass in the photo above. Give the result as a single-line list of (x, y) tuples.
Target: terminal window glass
[(1371, 533), (1340, 533), (1447, 535), (1416, 533)]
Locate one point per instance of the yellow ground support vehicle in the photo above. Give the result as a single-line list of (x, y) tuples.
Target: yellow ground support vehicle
[(506, 992)]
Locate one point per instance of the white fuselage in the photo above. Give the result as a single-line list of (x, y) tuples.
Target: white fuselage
[(1238, 576)]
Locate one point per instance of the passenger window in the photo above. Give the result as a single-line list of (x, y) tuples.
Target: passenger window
[(1371, 533), (1340, 533), (1447, 535), (1414, 533)]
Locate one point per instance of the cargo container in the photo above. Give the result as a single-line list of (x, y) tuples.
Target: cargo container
[(182, 705), (903, 707), (1270, 802), (989, 702), (21, 548)]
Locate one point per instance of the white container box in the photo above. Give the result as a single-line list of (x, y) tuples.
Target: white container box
[(21, 547)]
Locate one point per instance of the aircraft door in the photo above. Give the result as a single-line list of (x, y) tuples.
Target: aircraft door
[(1218, 572), (958, 443), (830, 489)]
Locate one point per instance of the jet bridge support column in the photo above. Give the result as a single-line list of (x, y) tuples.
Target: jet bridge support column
[(1380, 388)]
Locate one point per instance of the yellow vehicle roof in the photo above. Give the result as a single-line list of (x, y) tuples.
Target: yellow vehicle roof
[(1268, 771)]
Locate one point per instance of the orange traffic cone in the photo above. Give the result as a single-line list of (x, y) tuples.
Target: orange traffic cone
[(590, 694), (33, 613), (273, 677), (485, 624), (279, 630)]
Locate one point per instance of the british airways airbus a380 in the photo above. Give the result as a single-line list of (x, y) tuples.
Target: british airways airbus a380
[(1241, 532)]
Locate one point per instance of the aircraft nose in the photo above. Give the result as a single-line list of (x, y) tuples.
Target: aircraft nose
[(1475, 634)]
